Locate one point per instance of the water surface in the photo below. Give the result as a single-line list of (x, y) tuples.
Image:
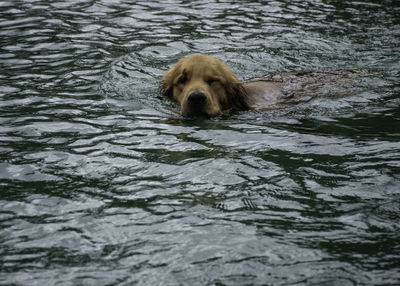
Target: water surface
[(104, 183)]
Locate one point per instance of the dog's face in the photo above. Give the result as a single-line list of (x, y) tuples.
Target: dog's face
[(203, 86)]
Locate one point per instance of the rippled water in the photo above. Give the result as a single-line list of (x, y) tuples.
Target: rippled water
[(104, 183)]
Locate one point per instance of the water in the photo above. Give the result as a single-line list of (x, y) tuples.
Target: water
[(104, 183)]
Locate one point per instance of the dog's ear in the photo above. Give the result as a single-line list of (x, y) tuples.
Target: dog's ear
[(236, 95), (167, 82), (237, 98)]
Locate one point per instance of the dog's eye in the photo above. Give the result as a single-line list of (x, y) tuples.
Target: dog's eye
[(212, 80), (182, 79)]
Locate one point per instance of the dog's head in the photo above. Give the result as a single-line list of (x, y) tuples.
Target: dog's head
[(203, 86)]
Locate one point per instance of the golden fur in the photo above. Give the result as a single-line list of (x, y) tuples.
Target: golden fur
[(203, 86)]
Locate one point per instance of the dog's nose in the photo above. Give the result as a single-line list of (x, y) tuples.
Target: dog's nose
[(197, 99)]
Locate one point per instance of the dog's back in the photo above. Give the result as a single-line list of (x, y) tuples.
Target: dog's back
[(296, 87)]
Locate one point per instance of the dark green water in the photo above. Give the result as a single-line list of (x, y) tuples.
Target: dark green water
[(103, 183)]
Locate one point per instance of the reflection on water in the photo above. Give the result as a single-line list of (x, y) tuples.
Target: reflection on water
[(103, 183)]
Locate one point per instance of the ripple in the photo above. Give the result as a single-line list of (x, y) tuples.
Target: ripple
[(105, 183)]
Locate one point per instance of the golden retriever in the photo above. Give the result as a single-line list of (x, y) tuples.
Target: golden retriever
[(205, 86)]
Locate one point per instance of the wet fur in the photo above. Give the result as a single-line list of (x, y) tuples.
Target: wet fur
[(201, 73)]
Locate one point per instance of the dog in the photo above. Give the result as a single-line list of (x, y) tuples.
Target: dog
[(204, 86)]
